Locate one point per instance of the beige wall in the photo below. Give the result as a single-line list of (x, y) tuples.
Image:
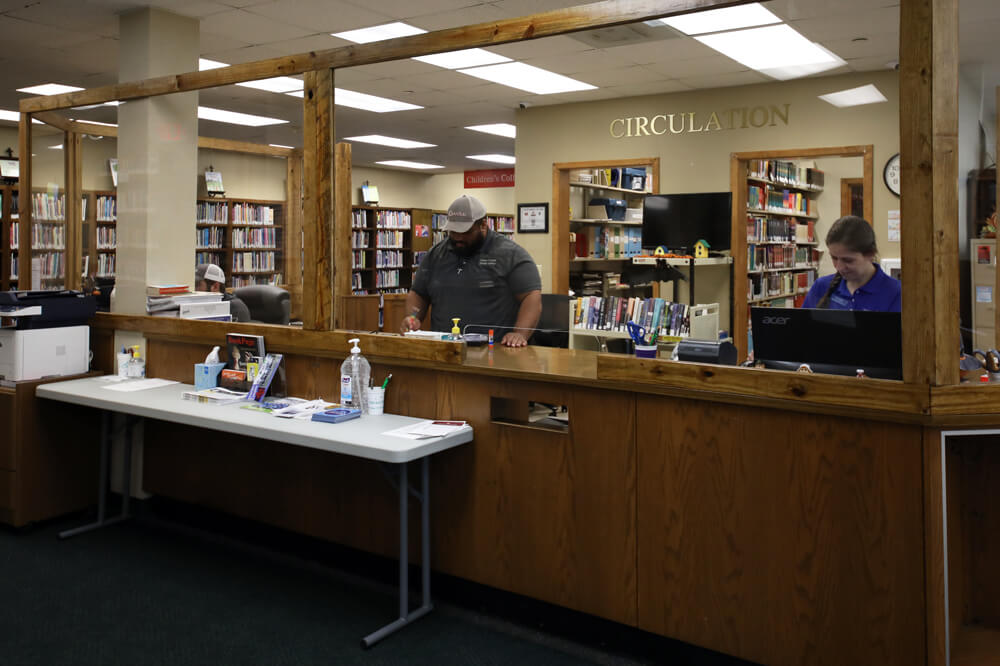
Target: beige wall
[(245, 176), (421, 190), (699, 162)]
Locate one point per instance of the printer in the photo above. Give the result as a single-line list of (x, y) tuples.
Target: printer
[(44, 333)]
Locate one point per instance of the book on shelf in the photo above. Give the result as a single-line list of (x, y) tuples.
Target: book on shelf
[(612, 313), (164, 289)]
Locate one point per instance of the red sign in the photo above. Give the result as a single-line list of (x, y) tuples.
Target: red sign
[(490, 178)]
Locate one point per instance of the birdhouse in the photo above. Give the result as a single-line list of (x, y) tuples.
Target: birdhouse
[(701, 249)]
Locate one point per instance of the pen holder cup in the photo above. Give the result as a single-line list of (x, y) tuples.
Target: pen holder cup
[(123, 361), (645, 351), (376, 400), (206, 375)]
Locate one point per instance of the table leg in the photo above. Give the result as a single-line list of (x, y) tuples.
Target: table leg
[(103, 481), (405, 616)]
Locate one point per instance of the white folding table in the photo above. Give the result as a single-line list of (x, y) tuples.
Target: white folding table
[(363, 437)]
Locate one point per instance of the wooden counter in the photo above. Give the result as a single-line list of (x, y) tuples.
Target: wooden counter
[(779, 517)]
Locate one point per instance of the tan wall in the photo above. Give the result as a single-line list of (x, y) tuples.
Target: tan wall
[(419, 190), (699, 162), (828, 202)]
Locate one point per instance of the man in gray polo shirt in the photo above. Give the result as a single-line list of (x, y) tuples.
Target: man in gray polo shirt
[(479, 276)]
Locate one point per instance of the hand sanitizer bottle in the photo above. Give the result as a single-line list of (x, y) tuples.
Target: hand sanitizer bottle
[(456, 332), (355, 373)]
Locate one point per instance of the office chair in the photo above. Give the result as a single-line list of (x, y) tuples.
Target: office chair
[(267, 304), (554, 323)]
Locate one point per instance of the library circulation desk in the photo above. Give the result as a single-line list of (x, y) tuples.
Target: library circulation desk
[(779, 517)]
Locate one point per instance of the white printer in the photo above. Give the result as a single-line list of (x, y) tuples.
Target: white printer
[(44, 334)]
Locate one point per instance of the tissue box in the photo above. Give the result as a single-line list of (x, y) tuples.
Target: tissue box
[(206, 375)]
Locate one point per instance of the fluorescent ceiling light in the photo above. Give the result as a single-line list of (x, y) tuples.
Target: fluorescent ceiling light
[(94, 122), (357, 100), (377, 33), (380, 140), (500, 129), (204, 64), (234, 118), (49, 89), (58, 146), (410, 165), (499, 159), (463, 58), (277, 84), (278, 145), (15, 116), (527, 77), (717, 20), (868, 94), (777, 50)]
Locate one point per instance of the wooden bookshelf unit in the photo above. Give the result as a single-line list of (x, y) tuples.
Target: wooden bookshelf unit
[(8, 237), (244, 237)]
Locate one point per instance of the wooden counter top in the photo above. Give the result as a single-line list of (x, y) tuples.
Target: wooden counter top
[(948, 406)]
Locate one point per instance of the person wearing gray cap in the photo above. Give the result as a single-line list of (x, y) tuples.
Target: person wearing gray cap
[(485, 279), (209, 277)]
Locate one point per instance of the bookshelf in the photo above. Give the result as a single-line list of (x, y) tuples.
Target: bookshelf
[(778, 227), (245, 237), (99, 215), (386, 247), (502, 223), (9, 233), (48, 239)]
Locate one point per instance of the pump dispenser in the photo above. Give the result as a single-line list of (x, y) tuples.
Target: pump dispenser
[(355, 373)]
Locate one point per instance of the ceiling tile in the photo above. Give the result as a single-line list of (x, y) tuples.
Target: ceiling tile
[(716, 64), (463, 16), (538, 48), (845, 25), (323, 15), (251, 28), (725, 80)]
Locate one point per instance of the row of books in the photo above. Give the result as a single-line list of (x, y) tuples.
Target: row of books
[(210, 212), (208, 258), (780, 256), (387, 279), (504, 224), (253, 214), (790, 173), (48, 236), (107, 238), (50, 264), (253, 237), (105, 265), (107, 209), (418, 257), (358, 260), (779, 284), (393, 219), (612, 241), (210, 237), (766, 229), (762, 198), (388, 259), (253, 261), (612, 313), (45, 206), (273, 279), (390, 239), (13, 267)]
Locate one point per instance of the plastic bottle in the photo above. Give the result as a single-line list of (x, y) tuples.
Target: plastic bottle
[(355, 373), (137, 366)]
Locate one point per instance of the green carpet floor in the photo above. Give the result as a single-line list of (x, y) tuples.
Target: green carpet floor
[(147, 592)]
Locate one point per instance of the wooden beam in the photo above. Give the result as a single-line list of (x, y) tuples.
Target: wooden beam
[(24, 205), (318, 133), (868, 185), (341, 231), (928, 125), (293, 223), (546, 24), (996, 207), (72, 164), (244, 147)]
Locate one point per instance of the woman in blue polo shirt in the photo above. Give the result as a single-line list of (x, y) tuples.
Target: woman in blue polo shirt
[(859, 283)]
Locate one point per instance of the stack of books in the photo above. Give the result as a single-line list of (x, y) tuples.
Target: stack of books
[(177, 301)]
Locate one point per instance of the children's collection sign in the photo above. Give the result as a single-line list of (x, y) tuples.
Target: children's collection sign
[(490, 178)]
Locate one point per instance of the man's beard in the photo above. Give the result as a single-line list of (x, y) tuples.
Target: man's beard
[(470, 248)]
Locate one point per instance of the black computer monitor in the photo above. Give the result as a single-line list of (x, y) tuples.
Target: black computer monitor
[(836, 342)]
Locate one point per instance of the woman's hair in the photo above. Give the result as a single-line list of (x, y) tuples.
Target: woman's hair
[(856, 235)]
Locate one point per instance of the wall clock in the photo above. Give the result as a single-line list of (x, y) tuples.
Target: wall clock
[(890, 174)]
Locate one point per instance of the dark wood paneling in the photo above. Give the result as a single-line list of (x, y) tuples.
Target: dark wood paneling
[(778, 537), (980, 502), (536, 512), (8, 428)]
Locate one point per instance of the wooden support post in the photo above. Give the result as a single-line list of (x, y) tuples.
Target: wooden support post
[(318, 133), (996, 207), (293, 231), (24, 202), (928, 125), (72, 261), (341, 231)]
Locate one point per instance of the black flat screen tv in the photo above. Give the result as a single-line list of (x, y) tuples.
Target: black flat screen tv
[(838, 342), (678, 221)]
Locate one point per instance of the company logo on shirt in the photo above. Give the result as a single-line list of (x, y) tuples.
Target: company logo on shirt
[(487, 261)]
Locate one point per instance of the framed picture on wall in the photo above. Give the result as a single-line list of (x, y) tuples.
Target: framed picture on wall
[(533, 218)]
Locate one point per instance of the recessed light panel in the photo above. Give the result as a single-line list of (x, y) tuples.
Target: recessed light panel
[(377, 33), (528, 78), (717, 20), (277, 84), (463, 58), (234, 118), (777, 50), (410, 165), (499, 159), (500, 129), (15, 116), (357, 100), (868, 94), (49, 89), (380, 140), (278, 145), (205, 64)]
